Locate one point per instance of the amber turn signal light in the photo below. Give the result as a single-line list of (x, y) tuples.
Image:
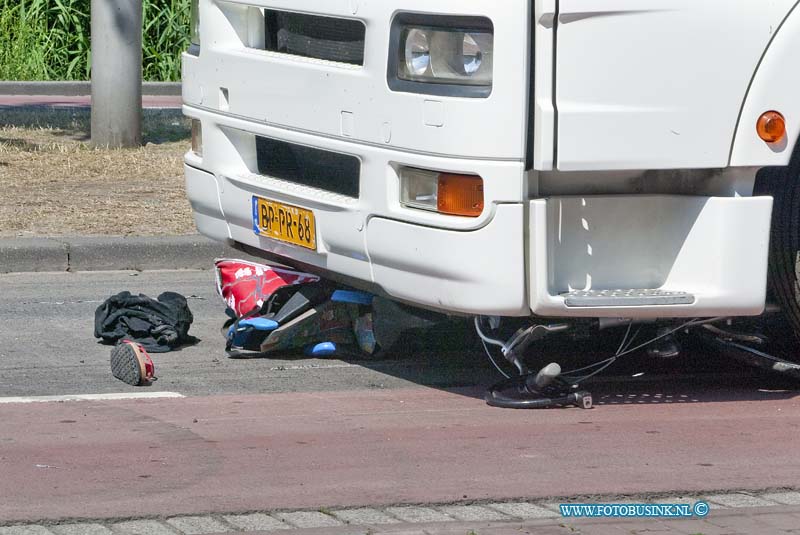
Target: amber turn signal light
[(771, 126), (460, 195)]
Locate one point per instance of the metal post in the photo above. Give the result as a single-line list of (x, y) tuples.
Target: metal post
[(116, 73)]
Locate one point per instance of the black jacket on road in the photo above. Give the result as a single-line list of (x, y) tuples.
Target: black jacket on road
[(158, 325)]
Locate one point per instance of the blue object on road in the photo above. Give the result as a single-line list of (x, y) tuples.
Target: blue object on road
[(325, 349), (352, 296), (239, 332), (259, 324)]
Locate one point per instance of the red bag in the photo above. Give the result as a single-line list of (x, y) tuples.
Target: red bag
[(246, 285)]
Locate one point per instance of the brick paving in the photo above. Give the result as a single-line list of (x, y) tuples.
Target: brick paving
[(735, 513), (256, 522), (197, 525)]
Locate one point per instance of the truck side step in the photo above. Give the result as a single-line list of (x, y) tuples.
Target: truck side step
[(634, 297)]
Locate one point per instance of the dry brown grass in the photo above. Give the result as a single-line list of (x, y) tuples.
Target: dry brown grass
[(53, 183)]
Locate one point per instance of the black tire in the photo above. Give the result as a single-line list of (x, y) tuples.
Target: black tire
[(783, 183)]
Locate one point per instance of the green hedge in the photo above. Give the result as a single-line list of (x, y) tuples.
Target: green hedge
[(50, 39)]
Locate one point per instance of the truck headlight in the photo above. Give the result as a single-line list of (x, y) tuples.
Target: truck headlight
[(417, 53), (442, 55), (195, 22)]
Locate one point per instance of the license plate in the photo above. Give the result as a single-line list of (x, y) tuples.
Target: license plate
[(284, 222)]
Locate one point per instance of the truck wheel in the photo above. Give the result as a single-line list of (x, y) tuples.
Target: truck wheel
[(784, 255)]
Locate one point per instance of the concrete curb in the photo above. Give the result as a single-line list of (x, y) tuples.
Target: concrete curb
[(79, 89), (111, 253)]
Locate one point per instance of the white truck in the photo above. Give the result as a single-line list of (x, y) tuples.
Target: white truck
[(520, 158)]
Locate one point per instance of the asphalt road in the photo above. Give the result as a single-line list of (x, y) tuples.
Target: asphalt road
[(47, 345), (267, 434)]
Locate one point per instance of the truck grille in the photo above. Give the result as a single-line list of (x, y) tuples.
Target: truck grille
[(314, 36), (328, 171)]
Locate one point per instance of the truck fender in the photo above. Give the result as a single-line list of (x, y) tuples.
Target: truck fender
[(775, 86)]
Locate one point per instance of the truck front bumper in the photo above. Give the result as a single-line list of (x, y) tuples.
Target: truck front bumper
[(519, 257), (452, 264)]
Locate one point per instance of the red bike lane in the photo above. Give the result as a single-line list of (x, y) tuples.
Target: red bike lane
[(104, 459), (148, 101)]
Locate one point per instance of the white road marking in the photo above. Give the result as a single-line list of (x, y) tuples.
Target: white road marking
[(91, 397), (295, 367)]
